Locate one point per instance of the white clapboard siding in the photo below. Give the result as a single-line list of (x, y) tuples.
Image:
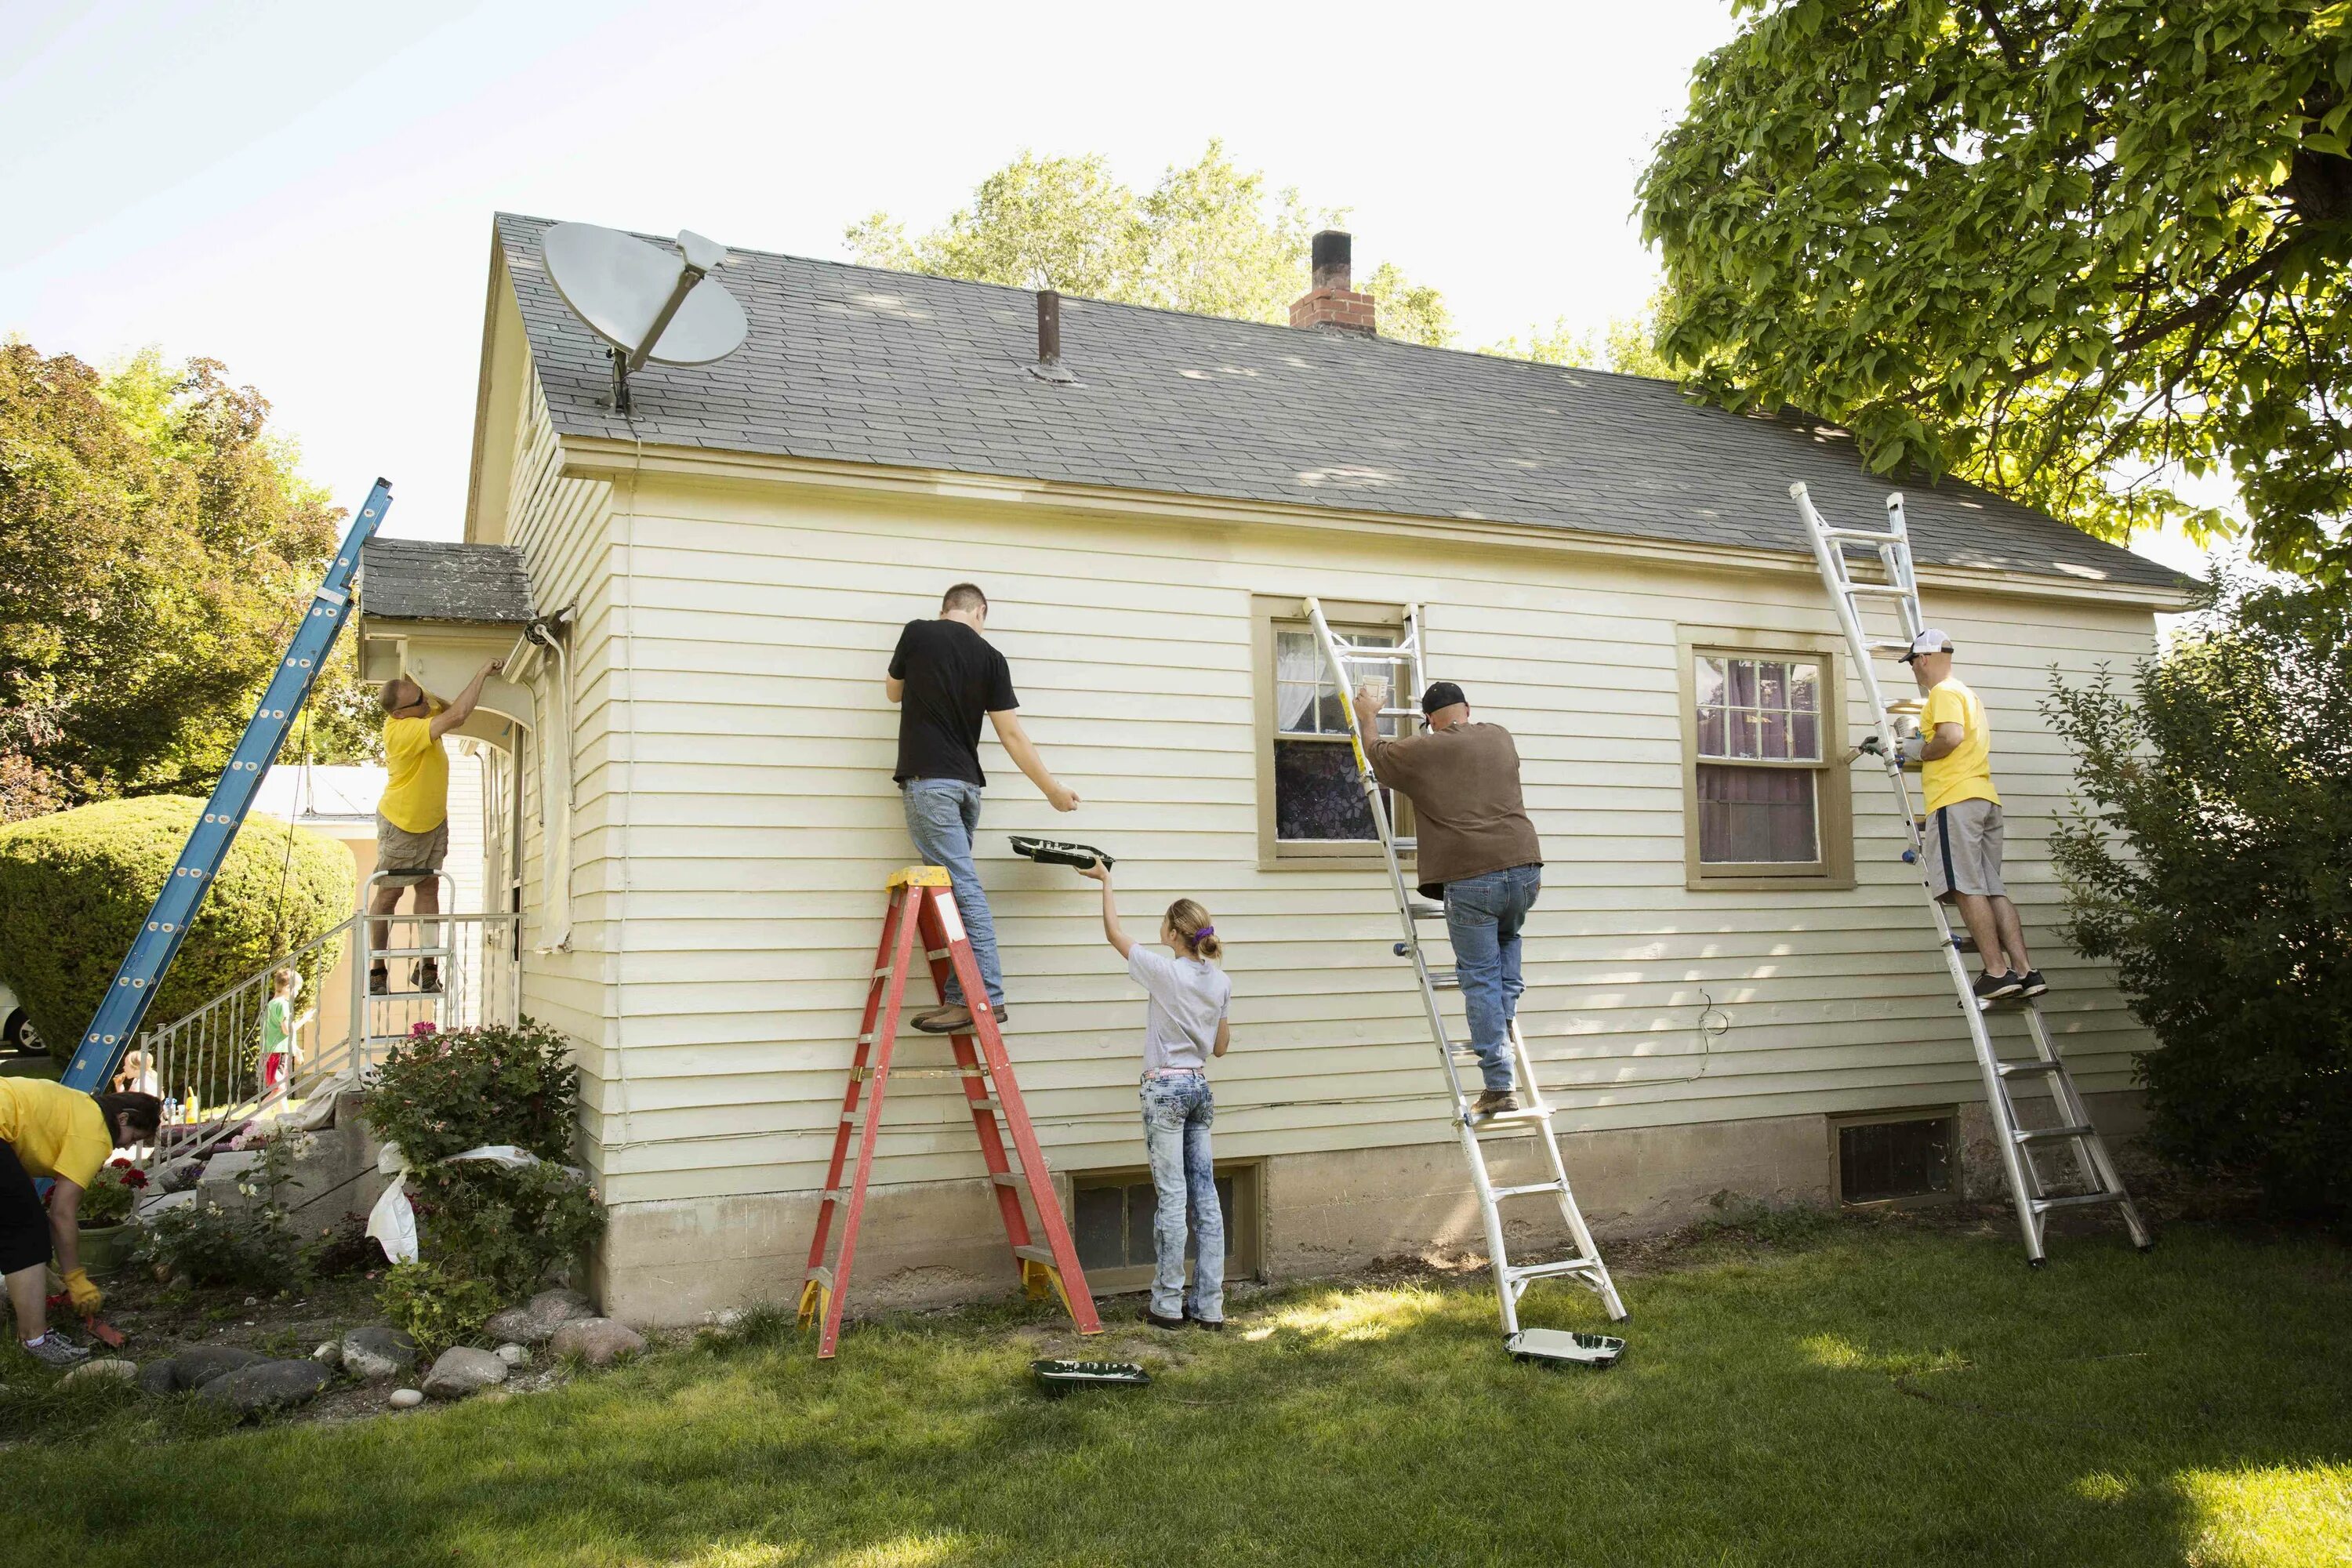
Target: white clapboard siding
[(734, 820)]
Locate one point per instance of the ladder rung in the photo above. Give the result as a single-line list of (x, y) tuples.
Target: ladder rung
[(1419, 909), (835, 1195), (1908, 705), (1528, 1190), (1511, 1119), (1890, 645), (1859, 536), (1881, 590), (2076, 1201), (1404, 846), (1445, 979), (2052, 1134), (986, 1102), (2024, 1070), (1964, 941), (376, 952), (1552, 1270), (1043, 1255), (823, 1277), (1006, 1179)]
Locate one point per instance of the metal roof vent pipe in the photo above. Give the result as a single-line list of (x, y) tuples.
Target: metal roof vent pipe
[(1330, 301), (1049, 365)]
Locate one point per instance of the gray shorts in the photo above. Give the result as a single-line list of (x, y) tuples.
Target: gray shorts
[(405, 857), (1964, 846)]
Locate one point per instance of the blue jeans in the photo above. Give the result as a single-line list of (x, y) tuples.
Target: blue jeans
[(1177, 1111), (1483, 914), (943, 814)]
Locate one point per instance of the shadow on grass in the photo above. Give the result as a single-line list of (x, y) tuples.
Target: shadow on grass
[(1876, 1399)]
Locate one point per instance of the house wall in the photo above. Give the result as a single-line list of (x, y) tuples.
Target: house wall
[(757, 821)]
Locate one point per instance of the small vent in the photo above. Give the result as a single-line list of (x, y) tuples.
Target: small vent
[(1881, 1160)]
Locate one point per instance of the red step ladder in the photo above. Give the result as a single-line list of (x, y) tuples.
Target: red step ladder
[(986, 1074)]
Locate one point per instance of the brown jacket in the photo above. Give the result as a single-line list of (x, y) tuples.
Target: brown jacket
[(1465, 787)]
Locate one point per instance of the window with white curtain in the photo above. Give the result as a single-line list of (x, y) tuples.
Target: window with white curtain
[(1766, 799), (1310, 798)]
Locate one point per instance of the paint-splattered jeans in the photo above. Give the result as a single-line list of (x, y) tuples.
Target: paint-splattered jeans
[(1177, 1110), (943, 814)]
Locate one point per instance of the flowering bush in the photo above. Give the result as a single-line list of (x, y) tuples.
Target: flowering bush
[(109, 1197), (440, 1094), (252, 1248)]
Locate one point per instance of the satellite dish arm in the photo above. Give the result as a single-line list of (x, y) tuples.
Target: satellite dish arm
[(700, 256)]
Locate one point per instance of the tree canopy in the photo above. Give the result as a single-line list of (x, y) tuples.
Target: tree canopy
[(2070, 249), (156, 544), (1210, 238)]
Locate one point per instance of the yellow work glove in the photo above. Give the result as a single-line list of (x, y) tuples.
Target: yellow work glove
[(87, 1297)]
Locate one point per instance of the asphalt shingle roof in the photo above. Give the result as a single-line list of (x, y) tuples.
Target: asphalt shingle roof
[(860, 365), (430, 579)]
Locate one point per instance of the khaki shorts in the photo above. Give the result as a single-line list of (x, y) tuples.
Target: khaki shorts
[(402, 856), (1964, 846)]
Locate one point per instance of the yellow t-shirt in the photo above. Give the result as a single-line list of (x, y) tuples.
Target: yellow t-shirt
[(55, 1130), (416, 788), (1965, 772)]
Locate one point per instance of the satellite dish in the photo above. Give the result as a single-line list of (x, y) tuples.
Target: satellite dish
[(647, 302)]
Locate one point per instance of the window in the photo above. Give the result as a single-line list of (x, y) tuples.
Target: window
[(1765, 799), (1882, 1158), (1111, 1215), (1310, 798)]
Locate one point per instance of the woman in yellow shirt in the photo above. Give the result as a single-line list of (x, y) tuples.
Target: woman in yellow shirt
[(50, 1130)]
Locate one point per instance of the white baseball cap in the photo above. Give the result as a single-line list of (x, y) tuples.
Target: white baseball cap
[(1935, 639)]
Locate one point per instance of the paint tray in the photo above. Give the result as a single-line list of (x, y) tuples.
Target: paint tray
[(1058, 852), (1060, 1377), (1565, 1347)]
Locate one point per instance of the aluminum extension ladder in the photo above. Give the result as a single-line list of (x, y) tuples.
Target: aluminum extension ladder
[(923, 908), (119, 1011), (1511, 1279), (2029, 1188)]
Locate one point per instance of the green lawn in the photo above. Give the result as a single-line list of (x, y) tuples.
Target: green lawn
[(1885, 1395)]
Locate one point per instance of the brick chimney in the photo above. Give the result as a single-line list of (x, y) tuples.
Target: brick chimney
[(1330, 302)]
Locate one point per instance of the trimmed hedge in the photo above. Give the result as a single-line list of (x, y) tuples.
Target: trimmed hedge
[(75, 885)]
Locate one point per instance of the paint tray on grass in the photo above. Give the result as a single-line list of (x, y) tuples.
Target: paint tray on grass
[(1058, 852), (1060, 1377), (1565, 1347)]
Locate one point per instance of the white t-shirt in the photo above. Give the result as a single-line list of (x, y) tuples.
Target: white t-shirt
[(1188, 1002)]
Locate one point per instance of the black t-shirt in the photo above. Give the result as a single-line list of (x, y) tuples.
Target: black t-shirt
[(952, 677)]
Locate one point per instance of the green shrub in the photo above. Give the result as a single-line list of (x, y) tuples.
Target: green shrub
[(438, 1308), (75, 885), (252, 1248), (440, 1094), (2213, 865)]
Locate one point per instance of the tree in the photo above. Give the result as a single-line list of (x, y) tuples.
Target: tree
[(1627, 345), (2214, 866), (2069, 250), (156, 546), (1210, 238)]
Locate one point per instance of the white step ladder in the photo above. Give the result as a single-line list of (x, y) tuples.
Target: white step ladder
[(2030, 1189), (1346, 660)]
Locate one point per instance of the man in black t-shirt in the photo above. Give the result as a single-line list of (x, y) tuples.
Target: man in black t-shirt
[(944, 676)]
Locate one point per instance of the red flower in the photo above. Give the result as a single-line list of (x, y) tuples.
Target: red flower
[(119, 1162), (132, 1178)]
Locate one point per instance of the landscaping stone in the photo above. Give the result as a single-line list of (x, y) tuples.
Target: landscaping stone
[(406, 1398), (377, 1352), (599, 1341), (102, 1372), (513, 1356), (328, 1354), (160, 1376), (535, 1321), (461, 1371), (267, 1385), (196, 1367)]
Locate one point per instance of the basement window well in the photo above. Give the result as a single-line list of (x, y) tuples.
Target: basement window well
[(1111, 1218), (1884, 1157)]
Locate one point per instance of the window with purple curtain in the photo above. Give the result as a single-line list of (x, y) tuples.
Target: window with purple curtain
[(1758, 715)]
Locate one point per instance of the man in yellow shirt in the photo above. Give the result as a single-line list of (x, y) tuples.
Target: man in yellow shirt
[(1964, 837), (50, 1130), (412, 818)]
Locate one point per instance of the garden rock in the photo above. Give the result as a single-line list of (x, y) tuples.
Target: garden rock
[(406, 1398), (160, 1376), (463, 1370), (513, 1356), (330, 1354), (535, 1321), (266, 1385), (599, 1341), (196, 1367), (102, 1372), (376, 1352)]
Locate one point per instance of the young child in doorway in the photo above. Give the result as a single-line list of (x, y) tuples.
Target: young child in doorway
[(1184, 1025)]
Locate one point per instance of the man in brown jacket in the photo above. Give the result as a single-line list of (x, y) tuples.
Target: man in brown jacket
[(1478, 851)]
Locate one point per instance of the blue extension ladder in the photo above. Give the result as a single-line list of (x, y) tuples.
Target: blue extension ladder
[(152, 950)]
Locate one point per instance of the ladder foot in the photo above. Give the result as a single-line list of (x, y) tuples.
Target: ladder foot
[(2147, 1246), (2037, 1263)]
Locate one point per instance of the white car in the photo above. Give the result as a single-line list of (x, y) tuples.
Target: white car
[(16, 1031)]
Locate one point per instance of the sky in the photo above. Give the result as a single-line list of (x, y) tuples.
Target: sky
[(304, 191)]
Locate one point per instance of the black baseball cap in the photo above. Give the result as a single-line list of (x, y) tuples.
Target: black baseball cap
[(1441, 694)]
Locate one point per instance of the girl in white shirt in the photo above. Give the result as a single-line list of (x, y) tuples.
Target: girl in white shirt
[(1184, 1025)]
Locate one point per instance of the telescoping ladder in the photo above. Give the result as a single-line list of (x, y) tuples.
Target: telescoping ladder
[(158, 940), (2030, 1189), (922, 909), (1348, 662)]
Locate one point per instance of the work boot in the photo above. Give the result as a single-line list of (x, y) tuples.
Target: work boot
[(427, 975), (1157, 1321), (1494, 1102), (53, 1350), (954, 1018), (379, 980)]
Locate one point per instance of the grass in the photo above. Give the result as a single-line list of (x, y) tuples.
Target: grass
[(1879, 1396)]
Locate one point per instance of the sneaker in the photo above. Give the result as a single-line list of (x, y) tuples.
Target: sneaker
[(1494, 1102), (954, 1019), (427, 974), (1991, 988), (2034, 984), (1214, 1325), (1157, 1321), (379, 980), (54, 1350)]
